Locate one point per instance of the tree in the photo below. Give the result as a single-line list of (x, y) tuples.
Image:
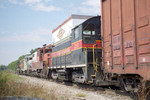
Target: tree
[(21, 57), (33, 50), (13, 65), (3, 67)]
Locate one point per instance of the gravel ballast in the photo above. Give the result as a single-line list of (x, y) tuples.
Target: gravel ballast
[(66, 92)]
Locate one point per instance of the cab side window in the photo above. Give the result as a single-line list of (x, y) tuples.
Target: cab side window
[(76, 32), (88, 33)]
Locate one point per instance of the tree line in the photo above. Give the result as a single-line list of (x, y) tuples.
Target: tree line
[(3, 67), (13, 65)]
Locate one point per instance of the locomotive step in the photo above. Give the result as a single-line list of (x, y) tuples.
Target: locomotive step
[(93, 75), (90, 82)]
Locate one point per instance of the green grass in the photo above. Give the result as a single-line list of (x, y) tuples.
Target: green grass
[(10, 85), (81, 95)]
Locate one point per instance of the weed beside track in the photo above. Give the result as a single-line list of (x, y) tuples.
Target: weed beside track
[(10, 85)]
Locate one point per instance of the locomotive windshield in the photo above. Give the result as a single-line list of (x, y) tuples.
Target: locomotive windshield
[(47, 50), (88, 34)]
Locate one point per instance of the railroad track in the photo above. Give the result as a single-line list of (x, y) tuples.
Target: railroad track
[(110, 90)]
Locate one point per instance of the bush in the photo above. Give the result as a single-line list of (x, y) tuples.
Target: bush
[(10, 86), (144, 91)]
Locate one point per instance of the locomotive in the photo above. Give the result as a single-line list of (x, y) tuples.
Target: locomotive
[(74, 56), (36, 64), (77, 56), (72, 59), (24, 65)]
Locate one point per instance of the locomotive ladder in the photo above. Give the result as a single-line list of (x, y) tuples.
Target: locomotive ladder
[(94, 65), (94, 61)]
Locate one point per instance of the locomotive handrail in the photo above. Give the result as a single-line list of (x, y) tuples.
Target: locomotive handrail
[(94, 62), (85, 60)]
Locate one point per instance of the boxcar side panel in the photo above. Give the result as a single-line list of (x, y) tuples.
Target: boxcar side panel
[(126, 37), (129, 36), (143, 36), (106, 37), (116, 34)]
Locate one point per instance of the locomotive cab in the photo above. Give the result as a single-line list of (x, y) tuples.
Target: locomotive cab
[(88, 34), (86, 43)]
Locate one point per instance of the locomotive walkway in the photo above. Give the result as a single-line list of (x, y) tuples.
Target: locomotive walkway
[(59, 91)]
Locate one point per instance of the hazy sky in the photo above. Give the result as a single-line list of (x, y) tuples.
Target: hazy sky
[(27, 24)]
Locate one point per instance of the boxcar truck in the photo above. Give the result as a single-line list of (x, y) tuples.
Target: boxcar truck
[(126, 41)]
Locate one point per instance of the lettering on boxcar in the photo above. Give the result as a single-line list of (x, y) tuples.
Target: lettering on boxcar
[(116, 46), (128, 44), (116, 42), (116, 39)]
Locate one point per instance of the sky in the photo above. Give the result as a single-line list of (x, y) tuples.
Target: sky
[(28, 24)]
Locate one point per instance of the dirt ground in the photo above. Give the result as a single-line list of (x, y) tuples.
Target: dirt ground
[(65, 92)]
